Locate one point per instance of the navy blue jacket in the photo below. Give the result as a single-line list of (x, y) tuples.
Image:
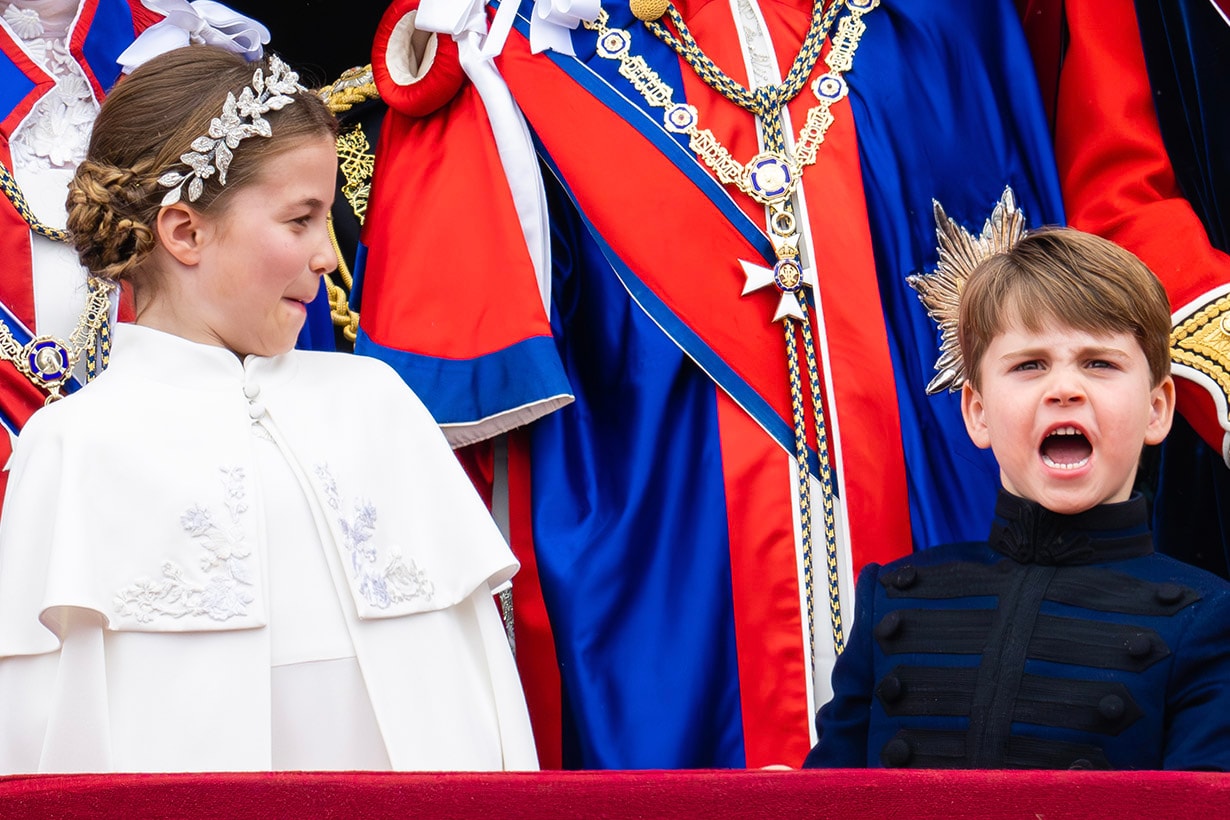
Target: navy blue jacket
[(1061, 642)]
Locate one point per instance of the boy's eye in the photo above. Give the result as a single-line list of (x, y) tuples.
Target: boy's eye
[(1100, 363), (1032, 364)]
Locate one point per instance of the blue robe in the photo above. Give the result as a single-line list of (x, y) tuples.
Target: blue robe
[(662, 523)]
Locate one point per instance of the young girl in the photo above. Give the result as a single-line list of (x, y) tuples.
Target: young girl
[(225, 554)]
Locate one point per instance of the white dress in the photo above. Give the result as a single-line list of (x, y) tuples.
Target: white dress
[(215, 565)]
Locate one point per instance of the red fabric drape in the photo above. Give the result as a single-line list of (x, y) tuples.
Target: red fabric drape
[(920, 795)]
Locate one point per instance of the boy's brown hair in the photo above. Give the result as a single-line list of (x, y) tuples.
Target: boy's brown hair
[(1071, 277)]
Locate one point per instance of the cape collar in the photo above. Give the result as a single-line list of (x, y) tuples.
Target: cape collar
[(178, 362)]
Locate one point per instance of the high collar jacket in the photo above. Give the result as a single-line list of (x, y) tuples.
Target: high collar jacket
[(1062, 642)]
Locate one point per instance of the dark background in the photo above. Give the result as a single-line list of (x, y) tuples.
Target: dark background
[(319, 38)]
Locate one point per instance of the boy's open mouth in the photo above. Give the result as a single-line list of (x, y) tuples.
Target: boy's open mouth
[(1065, 448)]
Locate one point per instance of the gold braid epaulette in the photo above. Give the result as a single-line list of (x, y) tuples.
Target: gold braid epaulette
[(1202, 342), (356, 161), (355, 85)]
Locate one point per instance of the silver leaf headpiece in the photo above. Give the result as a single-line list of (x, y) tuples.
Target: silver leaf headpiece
[(241, 118), (960, 252)]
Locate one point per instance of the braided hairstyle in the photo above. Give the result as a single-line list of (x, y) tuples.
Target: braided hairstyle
[(144, 125)]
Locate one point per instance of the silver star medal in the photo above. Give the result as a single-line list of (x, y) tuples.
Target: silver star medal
[(959, 253)]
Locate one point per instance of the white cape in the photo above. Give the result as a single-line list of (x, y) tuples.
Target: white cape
[(133, 605)]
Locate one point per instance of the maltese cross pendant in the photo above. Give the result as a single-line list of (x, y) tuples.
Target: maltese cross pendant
[(790, 275)]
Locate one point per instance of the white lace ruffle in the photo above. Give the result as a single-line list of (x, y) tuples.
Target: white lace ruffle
[(26, 23), (57, 131)]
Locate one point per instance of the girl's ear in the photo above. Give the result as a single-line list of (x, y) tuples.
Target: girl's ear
[(181, 231)]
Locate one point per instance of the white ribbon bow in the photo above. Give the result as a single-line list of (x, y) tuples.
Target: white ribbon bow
[(551, 22), (198, 21), (452, 16)]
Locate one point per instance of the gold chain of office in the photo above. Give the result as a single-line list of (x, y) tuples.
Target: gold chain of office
[(770, 178), (46, 361)]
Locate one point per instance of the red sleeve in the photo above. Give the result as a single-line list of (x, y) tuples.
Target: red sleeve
[(450, 295)]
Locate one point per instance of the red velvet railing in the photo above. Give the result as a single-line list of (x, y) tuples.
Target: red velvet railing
[(666, 794)]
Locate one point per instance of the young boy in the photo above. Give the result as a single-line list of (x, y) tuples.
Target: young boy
[(1063, 641)]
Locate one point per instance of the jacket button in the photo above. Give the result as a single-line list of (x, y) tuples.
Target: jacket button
[(1169, 593), (251, 390), (890, 689), (1139, 646), (905, 578), (896, 753), (1111, 707), (256, 410), (889, 625)]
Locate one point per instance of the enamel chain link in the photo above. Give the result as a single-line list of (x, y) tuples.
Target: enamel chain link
[(46, 361), (770, 178)]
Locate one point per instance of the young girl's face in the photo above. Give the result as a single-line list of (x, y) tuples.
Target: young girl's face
[(265, 253)]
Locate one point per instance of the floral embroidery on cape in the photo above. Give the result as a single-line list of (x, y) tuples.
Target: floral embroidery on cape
[(226, 591), (399, 580)]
